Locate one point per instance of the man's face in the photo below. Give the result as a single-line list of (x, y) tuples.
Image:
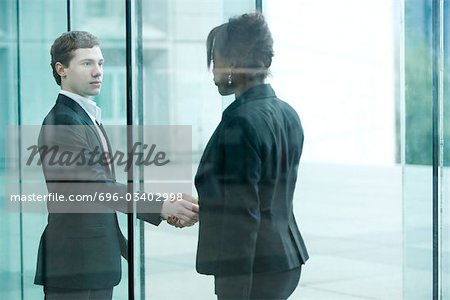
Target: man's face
[(83, 76)]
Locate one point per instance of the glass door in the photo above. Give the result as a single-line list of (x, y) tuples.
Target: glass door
[(418, 151), (426, 150), (178, 90), (337, 63)]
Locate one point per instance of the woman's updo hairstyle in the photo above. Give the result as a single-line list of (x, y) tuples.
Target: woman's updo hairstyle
[(246, 42)]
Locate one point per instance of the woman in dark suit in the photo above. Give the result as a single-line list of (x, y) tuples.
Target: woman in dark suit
[(248, 236)]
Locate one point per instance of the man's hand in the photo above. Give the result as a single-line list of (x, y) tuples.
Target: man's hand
[(181, 213)]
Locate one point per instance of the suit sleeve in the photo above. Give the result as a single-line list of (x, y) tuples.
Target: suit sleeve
[(73, 168), (241, 215)]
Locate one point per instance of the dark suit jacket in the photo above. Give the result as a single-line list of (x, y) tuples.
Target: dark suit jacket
[(80, 250), (245, 182)]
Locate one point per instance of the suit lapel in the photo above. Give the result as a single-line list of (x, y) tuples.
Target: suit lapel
[(82, 114), (75, 107)]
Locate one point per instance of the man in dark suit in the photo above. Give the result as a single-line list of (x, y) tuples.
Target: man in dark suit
[(80, 249), (248, 235)]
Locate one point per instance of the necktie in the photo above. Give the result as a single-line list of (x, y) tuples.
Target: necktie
[(105, 140)]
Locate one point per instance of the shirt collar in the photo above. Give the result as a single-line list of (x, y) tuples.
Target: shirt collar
[(89, 106)]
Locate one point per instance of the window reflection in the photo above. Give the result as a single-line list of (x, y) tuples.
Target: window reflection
[(338, 66)]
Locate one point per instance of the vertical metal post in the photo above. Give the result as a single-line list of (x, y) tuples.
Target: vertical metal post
[(140, 111), (258, 5), (68, 15), (436, 100), (19, 123), (129, 91)]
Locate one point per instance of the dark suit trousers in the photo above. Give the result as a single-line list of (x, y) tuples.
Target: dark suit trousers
[(52, 293), (271, 286)]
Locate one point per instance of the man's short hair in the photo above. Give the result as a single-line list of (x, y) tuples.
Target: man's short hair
[(64, 46)]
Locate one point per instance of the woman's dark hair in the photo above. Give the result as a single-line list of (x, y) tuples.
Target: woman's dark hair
[(63, 47), (245, 41)]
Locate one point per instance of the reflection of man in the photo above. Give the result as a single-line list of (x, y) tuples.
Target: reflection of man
[(79, 253)]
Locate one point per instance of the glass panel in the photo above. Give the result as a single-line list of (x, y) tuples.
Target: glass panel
[(40, 22), (445, 254), (178, 90), (336, 63), (106, 20), (38, 94), (343, 80), (36, 88), (417, 171), (10, 223)]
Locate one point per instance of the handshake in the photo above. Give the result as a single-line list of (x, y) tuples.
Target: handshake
[(181, 213)]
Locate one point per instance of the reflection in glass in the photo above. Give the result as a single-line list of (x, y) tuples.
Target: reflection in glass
[(338, 66), (177, 90), (336, 62)]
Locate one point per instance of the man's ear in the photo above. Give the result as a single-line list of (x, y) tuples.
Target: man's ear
[(60, 69)]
